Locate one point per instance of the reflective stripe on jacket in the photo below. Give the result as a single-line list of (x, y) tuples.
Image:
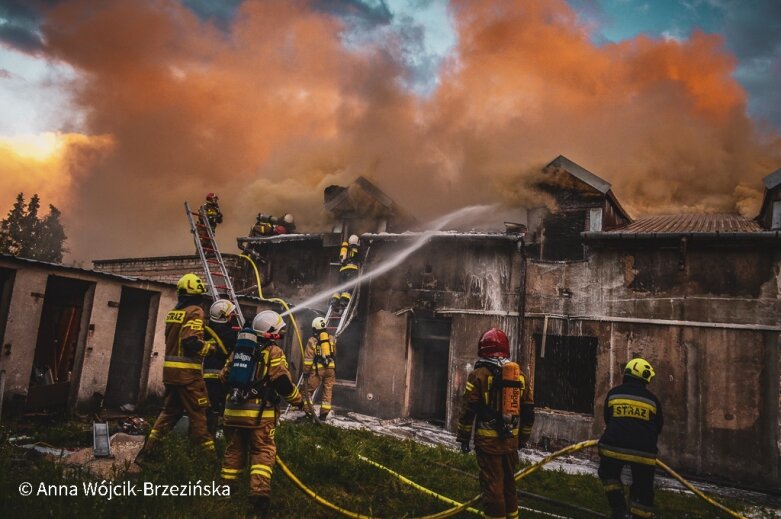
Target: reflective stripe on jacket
[(273, 379), (183, 325), (475, 414)]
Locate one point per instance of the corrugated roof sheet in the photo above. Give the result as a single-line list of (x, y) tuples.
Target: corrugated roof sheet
[(690, 223)]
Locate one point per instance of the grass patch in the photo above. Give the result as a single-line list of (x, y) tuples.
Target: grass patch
[(325, 458)]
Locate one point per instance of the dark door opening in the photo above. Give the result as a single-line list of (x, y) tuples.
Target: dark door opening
[(58, 340), (130, 343), (348, 344), (430, 350), (6, 287), (565, 372)]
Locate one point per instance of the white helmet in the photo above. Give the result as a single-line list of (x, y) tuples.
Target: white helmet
[(318, 323), (288, 218), (268, 321), (353, 239), (221, 310)]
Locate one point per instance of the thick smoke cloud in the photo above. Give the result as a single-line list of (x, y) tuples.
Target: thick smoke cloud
[(275, 109)]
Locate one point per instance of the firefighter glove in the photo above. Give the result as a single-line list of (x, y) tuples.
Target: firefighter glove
[(465, 447)]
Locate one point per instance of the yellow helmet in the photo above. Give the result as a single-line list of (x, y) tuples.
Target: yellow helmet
[(190, 284), (639, 368)]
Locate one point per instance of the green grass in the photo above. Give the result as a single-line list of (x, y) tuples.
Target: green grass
[(325, 458)]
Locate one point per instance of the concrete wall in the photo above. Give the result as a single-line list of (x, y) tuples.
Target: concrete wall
[(707, 318), (22, 328), (167, 269), (473, 282), (93, 354)]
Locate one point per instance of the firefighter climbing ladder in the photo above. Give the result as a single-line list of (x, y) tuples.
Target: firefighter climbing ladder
[(337, 320), (217, 278)]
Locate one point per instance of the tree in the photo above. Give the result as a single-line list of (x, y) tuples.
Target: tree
[(23, 233)]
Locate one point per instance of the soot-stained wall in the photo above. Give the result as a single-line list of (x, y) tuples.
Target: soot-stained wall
[(707, 317)]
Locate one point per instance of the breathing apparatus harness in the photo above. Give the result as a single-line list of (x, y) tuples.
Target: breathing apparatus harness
[(502, 410), (249, 372), (324, 353)]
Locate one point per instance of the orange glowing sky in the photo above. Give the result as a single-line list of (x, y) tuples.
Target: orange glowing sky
[(275, 106)]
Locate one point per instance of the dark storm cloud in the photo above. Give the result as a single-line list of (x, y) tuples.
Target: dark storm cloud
[(753, 33), (369, 12), (219, 12), (20, 22)]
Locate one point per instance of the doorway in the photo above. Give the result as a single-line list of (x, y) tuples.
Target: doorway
[(60, 336), (132, 339), (430, 361), (6, 287)]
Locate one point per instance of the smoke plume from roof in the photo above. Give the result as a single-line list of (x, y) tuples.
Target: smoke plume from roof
[(277, 108)]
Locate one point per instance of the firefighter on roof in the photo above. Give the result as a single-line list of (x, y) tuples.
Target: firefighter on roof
[(213, 213), (320, 365), (496, 395), (633, 421), (257, 378), (266, 225), (221, 333), (349, 264), (185, 391)]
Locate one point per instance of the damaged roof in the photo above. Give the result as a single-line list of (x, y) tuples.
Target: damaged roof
[(580, 173), (772, 180), (374, 191), (691, 223), (680, 225)]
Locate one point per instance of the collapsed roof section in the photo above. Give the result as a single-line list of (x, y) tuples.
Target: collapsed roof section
[(573, 186), (770, 212), (363, 207)]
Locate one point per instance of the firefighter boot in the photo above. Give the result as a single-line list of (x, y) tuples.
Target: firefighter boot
[(323, 415)]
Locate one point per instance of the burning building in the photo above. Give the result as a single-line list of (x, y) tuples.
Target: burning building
[(580, 288)]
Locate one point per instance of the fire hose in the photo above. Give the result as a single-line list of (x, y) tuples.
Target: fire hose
[(304, 394), (458, 507)]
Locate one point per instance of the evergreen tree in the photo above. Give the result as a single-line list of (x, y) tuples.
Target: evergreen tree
[(23, 233)]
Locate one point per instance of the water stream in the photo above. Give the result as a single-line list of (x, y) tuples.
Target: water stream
[(465, 214)]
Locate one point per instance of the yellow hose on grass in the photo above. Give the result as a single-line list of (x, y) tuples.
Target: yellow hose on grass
[(697, 492)]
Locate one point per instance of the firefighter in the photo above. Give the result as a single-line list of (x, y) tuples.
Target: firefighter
[(213, 213), (252, 406), (496, 394), (263, 226), (633, 421), (185, 391), (350, 262), (266, 225), (222, 332), (320, 365)]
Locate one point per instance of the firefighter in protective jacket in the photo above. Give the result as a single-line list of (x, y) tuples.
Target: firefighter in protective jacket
[(349, 261), (185, 391), (221, 334), (251, 415), (500, 409), (320, 364), (633, 421), (213, 213)]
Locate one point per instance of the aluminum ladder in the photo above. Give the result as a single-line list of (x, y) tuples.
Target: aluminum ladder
[(218, 281)]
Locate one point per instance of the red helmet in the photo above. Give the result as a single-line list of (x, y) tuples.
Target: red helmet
[(493, 343), (211, 197)]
